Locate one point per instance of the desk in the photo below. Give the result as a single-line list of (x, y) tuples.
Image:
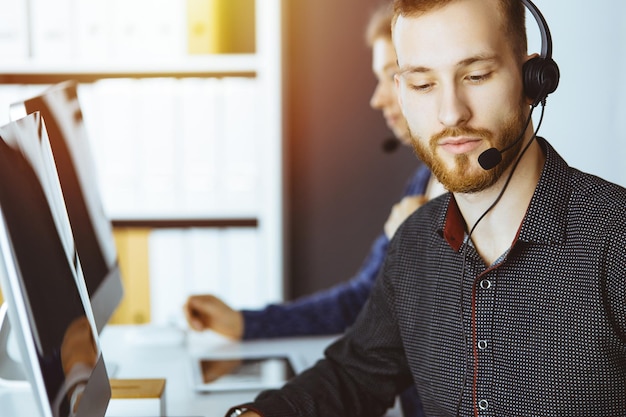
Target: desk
[(149, 352), (146, 352)]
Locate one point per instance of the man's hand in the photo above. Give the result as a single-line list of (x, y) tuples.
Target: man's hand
[(205, 312), (400, 211)]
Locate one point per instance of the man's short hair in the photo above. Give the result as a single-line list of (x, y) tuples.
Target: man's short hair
[(513, 22)]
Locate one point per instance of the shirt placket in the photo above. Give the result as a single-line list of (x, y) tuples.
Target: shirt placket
[(482, 341), (478, 304)]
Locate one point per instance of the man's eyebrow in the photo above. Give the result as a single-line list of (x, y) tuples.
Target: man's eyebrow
[(410, 69), (477, 58)]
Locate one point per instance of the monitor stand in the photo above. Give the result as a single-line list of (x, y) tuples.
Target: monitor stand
[(11, 369)]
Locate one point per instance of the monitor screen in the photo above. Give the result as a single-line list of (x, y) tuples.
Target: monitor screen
[(42, 279), (92, 231)]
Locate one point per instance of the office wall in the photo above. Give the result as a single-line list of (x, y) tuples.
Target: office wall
[(584, 118), (340, 184)]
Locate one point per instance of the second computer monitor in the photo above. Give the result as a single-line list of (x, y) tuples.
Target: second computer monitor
[(42, 280), (91, 227)]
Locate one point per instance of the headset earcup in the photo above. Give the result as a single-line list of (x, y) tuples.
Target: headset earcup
[(541, 77)]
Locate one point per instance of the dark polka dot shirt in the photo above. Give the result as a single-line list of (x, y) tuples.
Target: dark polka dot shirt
[(542, 332)]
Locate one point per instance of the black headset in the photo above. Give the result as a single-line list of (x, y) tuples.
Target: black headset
[(541, 74), (540, 77)]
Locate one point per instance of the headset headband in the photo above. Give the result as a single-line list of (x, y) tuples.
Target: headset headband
[(546, 38)]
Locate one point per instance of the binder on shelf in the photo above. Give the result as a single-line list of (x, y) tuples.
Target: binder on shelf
[(92, 25), (151, 30), (245, 284), (221, 27), (199, 35), (205, 253), (167, 275), (238, 144), (159, 142), (199, 147), (162, 29), (51, 28), (112, 125), (126, 36), (234, 26), (132, 248), (14, 36)]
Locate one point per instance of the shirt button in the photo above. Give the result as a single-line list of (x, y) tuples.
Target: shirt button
[(485, 284), (482, 344), (483, 404)]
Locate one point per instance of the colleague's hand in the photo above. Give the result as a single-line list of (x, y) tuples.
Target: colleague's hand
[(400, 211), (206, 311), (78, 346)]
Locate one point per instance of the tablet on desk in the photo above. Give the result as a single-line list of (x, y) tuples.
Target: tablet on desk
[(241, 373)]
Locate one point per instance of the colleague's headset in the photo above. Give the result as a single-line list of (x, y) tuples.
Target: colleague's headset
[(540, 76)]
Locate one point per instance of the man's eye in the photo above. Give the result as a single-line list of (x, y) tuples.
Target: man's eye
[(479, 78), (421, 87)]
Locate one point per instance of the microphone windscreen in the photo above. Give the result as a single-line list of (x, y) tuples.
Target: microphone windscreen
[(390, 144), (489, 158)]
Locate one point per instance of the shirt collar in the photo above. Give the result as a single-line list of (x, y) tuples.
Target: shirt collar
[(545, 221)]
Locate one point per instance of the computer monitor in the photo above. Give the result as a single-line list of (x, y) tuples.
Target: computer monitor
[(61, 112), (42, 280)]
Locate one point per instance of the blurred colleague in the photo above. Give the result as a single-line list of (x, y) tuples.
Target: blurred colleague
[(333, 310), (507, 295)]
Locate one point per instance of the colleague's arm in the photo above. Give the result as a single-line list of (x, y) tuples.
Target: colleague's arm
[(326, 312), (329, 311), (333, 310)]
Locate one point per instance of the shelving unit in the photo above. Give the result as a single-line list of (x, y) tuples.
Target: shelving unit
[(263, 219), (216, 66)]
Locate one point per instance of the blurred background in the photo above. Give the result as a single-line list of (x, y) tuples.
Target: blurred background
[(253, 116)]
